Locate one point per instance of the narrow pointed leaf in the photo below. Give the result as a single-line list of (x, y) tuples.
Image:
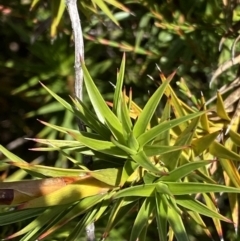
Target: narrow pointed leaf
[(201, 144), (198, 219), (110, 176), (14, 216), (216, 221), (104, 205), (193, 188), (105, 147), (21, 191), (148, 111), (34, 3), (161, 216), (46, 109), (142, 218), (10, 155), (155, 150), (234, 205), (218, 150), (103, 112), (185, 138), (164, 137), (231, 170), (69, 194), (139, 191), (221, 109), (204, 118), (118, 212), (189, 203), (183, 171), (135, 110), (76, 233), (125, 116), (52, 220), (176, 224), (118, 90), (51, 171), (57, 143), (90, 119), (42, 219), (235, 137), (175, 102), (155, 131), (118, 5), (58, 128), (58, 98), (79, 209), (106, 10), (143, 235), (233, 201), (58, 8), (230, 167)]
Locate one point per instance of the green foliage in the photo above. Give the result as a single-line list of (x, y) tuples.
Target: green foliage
[(149, 169), (162, 182)]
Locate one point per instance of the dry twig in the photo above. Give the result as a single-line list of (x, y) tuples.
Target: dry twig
[(79, 56)]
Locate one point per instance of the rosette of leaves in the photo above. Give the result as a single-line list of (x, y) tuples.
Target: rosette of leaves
[(144, 165)]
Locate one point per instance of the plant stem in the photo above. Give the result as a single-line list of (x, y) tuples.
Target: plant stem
[(79, 47), (78, 87)]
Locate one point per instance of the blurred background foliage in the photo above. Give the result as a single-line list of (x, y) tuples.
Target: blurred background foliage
[(194, 37)]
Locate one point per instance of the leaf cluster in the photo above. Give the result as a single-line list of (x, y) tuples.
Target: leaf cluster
[(162, 170), (159, 167)]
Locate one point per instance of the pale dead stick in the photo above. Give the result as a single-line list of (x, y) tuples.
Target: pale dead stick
[(78, 88)]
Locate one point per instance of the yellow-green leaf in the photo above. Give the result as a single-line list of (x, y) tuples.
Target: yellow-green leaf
[(221, 109), (34, 3), (218, 150), (58, 7), (69, 194), (235, 137), (201, 144), (105, 9), (22, 191), (110, 176), (51, 171)]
